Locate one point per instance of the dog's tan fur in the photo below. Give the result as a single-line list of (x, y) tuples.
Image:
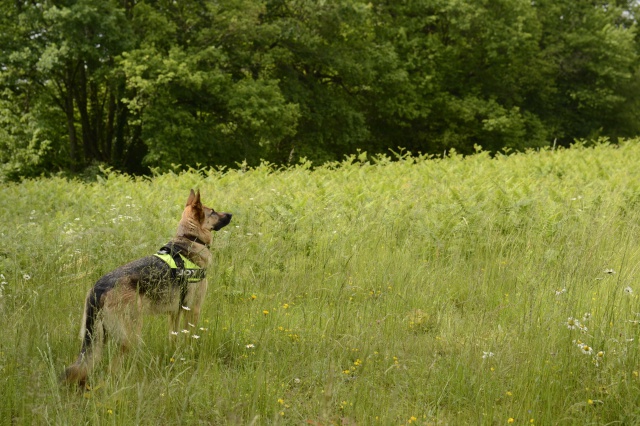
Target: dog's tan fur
[(116, 304)]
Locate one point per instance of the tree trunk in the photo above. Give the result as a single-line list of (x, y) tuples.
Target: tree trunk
[(67, 96), (117, 154), (96, 113), (88, 134), (108, 138), (71, 129)]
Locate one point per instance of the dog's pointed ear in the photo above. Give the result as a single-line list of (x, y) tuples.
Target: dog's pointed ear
[(195, 203), (192, 197)]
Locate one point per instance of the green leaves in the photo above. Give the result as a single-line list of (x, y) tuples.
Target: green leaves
[(593, 59), (144, 84)]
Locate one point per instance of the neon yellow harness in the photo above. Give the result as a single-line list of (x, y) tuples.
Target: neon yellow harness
[(182, 267), (183, 271)]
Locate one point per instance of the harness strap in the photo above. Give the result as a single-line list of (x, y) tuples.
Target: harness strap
[(182, 269)]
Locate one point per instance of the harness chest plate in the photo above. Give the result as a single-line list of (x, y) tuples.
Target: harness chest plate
[(185, 270)]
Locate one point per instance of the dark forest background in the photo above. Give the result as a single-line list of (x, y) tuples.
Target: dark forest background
[(140, 85)]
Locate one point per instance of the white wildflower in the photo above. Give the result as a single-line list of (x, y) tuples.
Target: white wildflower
[(586, 349), (572, 323), (486, 355)]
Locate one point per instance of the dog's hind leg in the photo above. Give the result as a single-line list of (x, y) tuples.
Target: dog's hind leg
[(92, 341), (123, 319)]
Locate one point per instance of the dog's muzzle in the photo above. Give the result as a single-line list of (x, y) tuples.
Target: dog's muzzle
[(224, 219)]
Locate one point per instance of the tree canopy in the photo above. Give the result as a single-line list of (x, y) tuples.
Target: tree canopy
[(151, 84)]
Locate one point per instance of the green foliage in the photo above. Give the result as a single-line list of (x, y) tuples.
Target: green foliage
[(58, 69), (372, 291), (140, 85), (202, 92), (22, 149), (594, 62)]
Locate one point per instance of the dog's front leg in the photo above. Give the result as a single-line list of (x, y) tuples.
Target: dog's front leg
[(174, 322), (192, 314)]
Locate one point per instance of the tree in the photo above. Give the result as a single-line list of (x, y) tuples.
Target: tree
[(139, 84), (593, 63), (328, 61), (63, 53), (473, 73), (200, 83)]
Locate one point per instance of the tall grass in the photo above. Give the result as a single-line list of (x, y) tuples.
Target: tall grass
[(420, 291)]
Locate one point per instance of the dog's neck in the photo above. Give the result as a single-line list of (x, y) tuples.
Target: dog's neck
[(195, 239), (195, 249)]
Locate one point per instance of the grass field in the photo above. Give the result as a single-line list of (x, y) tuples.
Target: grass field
[(448, 291)]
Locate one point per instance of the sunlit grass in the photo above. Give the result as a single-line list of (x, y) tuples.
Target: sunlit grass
[(449, 291)]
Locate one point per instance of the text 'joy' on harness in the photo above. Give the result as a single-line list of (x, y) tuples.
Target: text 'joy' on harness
[(182, 269)]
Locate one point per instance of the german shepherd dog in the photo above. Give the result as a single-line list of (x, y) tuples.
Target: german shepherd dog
[(170, 282)]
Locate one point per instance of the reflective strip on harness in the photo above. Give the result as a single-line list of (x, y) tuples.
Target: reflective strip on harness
[(192, 272)]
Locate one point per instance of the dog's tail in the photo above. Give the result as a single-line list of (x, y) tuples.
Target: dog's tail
[(92, 342)]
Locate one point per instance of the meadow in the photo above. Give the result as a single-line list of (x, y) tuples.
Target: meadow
[(426, 291)]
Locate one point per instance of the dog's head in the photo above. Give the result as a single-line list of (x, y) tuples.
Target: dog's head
[(199, 220)]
